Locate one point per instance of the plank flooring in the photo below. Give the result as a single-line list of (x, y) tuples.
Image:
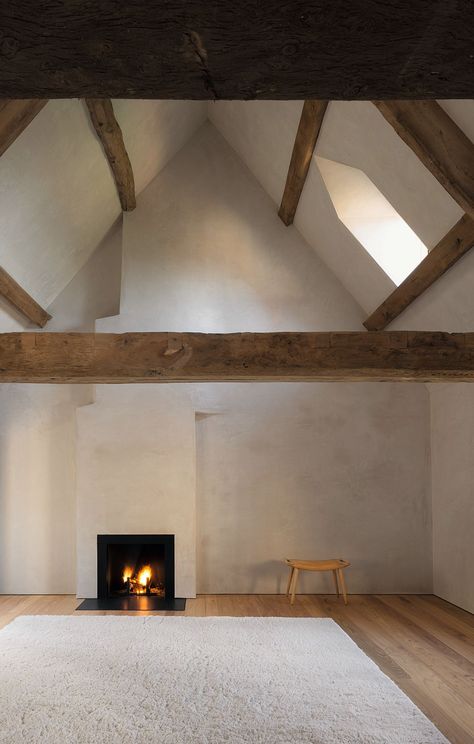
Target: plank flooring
[(424, 644)]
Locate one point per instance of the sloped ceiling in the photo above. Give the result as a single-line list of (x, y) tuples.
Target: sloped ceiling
[(356, 134), (58, 197)]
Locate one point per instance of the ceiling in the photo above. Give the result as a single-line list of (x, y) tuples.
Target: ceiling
[(58, 197)]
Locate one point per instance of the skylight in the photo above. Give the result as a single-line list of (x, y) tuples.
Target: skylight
[(365, 211)]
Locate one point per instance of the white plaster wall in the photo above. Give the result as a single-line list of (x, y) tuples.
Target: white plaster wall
[(37, 502), (452, 446), (204, 251), (154, 131), (136, 475), (312, 469), (94, 292), (38, 446)]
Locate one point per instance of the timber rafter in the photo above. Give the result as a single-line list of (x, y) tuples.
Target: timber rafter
[(108, 130), (205, 49), (309, 127), (454, 245), (236, 357), (19, 298)]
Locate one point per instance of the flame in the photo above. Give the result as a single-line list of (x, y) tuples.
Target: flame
[(139, 581), (145, 575)]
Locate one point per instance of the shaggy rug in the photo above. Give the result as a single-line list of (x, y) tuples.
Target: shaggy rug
[(114, 680)]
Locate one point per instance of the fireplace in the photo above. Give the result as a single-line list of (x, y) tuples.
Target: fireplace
[(135, 565), (135, 572)]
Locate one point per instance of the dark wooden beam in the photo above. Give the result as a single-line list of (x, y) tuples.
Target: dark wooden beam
[(306, 137), (458, 241), (15, 115), (21, 300), (108, 130), (207, 49), (239, 357), (439, 143)]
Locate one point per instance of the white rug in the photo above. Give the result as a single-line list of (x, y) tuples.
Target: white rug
[(114, 680)]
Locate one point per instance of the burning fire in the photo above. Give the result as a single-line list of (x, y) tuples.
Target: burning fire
[(144, 576), (139, 582)]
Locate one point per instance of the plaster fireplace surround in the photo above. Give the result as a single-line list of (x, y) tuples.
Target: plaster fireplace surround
[(135, 573), (136, 448), (136, 476)]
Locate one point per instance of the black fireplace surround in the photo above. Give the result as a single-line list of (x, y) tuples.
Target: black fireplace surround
[(135, 572)]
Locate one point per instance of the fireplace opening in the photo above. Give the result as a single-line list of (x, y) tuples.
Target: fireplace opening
[(135, 572), (135, 566)]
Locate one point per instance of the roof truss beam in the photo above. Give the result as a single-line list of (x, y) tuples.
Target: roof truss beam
[(454, 245), (309, 127), (191, 49), (438, 142), (449, 155), (22, 301), (108, 130), (235, 357), (15, 115)]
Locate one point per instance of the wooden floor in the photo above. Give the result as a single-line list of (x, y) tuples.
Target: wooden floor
[(423, 643)]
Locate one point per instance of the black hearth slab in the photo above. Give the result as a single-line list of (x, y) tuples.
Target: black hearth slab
[(134, 604)]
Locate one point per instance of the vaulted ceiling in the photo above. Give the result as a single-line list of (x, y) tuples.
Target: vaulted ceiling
[(59, 198)]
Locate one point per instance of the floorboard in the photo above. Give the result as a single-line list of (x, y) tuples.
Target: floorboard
[(425, 644)]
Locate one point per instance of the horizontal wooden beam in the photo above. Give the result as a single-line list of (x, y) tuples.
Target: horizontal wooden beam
[(438, 142), (21, 300), (236, 357), (306, 137), (458, 241), (206, 49), (15, 115), (108, 130)]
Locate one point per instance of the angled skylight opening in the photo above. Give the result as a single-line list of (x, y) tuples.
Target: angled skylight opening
[(370, 217)]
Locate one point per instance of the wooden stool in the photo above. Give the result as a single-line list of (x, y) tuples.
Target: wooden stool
[(333, 564)]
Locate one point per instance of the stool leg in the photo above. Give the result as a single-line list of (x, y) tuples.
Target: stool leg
[(290, 579), (334, 575), (293, 588), (291, 584), (343, 584)]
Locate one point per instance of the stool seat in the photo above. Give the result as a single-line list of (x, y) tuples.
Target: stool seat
[(331, 564), (336, 565)]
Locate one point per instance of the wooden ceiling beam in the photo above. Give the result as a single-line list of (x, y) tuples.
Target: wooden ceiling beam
[(108, 130), (458, 241), (21, 300), (198, 49), (236, 357), (15, 115), (438, 142), (309, 127)]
